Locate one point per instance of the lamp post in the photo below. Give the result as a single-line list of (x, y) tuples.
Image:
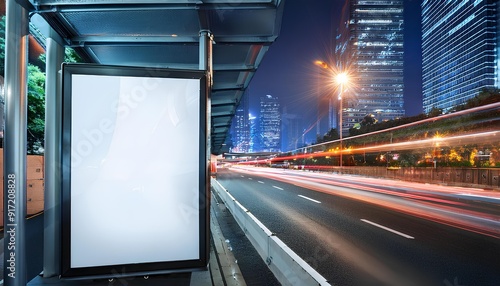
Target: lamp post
[(341, 79)]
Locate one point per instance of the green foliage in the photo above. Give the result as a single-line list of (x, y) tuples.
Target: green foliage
[(434, 112), (447, 156), (2, 45), (36, 109), (36, 103), (71, 56), (331, 135), (486, 96), (369, 119), (36, 94)]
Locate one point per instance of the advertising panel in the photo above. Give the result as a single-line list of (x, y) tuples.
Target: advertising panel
[(135, 171)]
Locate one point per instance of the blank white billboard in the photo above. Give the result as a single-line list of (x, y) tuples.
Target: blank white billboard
[(136, 172)]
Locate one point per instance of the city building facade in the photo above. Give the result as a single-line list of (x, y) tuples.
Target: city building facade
[(270, 124), (254, 134), (369, 48), (241, 126), (460, 51), (291, 135)]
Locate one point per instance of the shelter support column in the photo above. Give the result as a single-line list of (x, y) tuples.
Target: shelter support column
[(15, 132), (206, 41), (52, 198)]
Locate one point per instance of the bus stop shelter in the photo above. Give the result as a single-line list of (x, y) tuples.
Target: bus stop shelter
[(226, 38)]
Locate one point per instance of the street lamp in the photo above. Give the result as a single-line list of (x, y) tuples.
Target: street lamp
[(341, 79)]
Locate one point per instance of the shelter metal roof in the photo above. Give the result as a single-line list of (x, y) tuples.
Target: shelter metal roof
[(155, 33)]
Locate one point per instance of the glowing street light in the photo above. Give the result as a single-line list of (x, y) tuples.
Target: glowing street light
[(341, 80)]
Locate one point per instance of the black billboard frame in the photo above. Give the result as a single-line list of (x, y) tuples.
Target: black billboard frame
[(134, 269)]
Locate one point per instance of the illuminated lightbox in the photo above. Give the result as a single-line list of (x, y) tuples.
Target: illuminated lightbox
[(135, 171)]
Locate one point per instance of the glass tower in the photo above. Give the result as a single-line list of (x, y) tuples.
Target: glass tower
[(369, 47), (270, 124), (460, 50), (291, 137), (241, 126)]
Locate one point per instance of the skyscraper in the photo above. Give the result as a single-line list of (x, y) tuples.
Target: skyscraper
[(241, 126), (460, 50), (291, 135), (270, 124), (369, 46), (254, 136)]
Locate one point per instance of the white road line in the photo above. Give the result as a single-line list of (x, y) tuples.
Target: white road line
[(250, 178), (388, 229), (312, 200), (277, 188), (242, 176), (260, 182)]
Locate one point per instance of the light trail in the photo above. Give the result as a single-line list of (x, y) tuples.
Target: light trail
[(492, 106), (417, 203), (484, 137)]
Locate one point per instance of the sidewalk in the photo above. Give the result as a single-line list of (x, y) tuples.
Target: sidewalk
[(223, 268)]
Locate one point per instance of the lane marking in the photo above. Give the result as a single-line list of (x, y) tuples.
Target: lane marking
[(277, 188), (388, 229), (260, 182), (242, 176), (250, 178), (312, 200)]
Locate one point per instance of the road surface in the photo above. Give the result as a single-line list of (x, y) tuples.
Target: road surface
[(360, 231)]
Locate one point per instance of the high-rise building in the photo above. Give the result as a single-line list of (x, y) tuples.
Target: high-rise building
[(460, 50), (241, 126), (254, 134), (291, 135), (270, 124), (369, 47)]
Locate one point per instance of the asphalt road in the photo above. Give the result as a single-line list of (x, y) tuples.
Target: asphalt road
[(375, 233)]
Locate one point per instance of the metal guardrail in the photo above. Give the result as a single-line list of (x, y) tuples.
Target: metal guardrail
[(465, 177), (285, 264)]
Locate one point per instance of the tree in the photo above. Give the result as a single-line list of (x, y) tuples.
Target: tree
[(36, 109), (369, 119), (36, 94), (70, 56), (2, 46), (331, 135), (434, 112)]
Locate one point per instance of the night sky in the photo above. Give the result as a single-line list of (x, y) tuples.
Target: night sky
[(307, 34)]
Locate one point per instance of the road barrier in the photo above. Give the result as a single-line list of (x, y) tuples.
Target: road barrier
[(285, 264), (488, 178)]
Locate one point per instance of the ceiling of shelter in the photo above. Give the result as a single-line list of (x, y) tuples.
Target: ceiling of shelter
[(154, 33)]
